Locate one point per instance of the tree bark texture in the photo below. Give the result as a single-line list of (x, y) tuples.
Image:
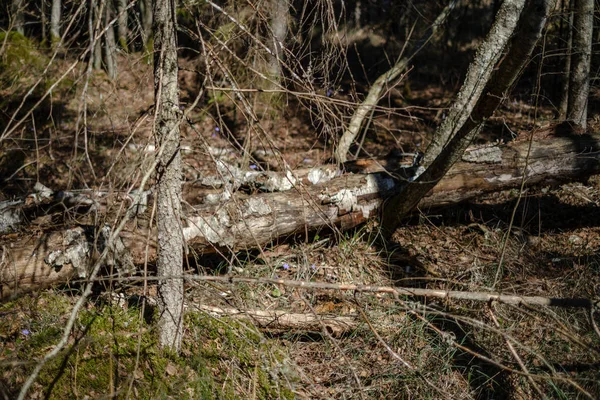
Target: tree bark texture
[(122, 27), (579, 82), (479, 73), (110, 46), (279, 28), (453, 138), (168, 173), (564, 92), (55, 13), (246, 222)]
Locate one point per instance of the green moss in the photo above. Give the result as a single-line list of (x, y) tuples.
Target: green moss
[(20, 57), (220, 357)]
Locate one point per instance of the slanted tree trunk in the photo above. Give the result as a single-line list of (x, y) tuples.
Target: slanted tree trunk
[(55, 13), (122, 28), (471, 109), (579, 82), (110, 46), (18, 19), (168, 174)]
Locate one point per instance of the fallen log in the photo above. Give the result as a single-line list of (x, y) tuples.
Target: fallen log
[(250, 221)]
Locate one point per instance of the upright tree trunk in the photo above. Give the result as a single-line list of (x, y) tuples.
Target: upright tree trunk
[(279, 27), (55, 22), (453, 140), (44, 22), (168, 174), (110, 46), (17, 16), (122, 28), (564, 93), (146, 14), (579, 82), (94, 27)]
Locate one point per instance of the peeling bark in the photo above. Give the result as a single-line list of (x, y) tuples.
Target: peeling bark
[(479, 97), (344, 202)]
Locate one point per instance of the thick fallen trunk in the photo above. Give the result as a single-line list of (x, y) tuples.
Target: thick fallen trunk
[(250, 221)]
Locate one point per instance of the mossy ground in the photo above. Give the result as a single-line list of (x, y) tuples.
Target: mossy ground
[(112, 352)]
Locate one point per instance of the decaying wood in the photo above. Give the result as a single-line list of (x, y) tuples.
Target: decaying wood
[(250, 221), (284, 320)]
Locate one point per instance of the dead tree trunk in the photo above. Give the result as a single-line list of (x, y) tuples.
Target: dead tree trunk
[(244, 222), (477, 100), (168, 172), (579, 81)]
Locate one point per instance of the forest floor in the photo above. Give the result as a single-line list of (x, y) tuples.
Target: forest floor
[(384, 347)]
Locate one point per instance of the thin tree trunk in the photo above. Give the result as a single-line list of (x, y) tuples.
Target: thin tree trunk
[(110, 46), (94, 26), (579, 82), (564, 99), (122, 28), (368, 105), (279, 28), (168, 172), (17, 7), (146, 14), (44, 23), (454, 137), (55, 22)]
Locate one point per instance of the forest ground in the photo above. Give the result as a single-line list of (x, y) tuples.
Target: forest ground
[(552, 250)]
